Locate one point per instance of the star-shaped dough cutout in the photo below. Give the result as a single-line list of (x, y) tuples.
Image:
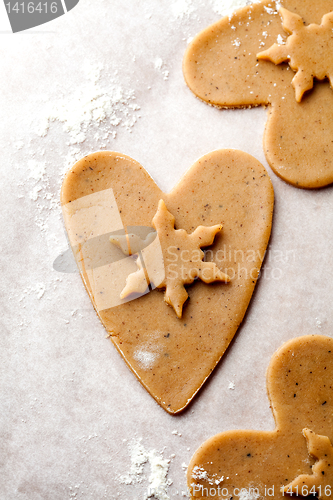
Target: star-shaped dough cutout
[(319, 483), (182, 257), (308, 50)]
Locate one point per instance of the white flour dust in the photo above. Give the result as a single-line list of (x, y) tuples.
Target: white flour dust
[(182, 8), (250, 494), (160, 66), (227, 7), (145, 358), (93, 110), (157, 482), (201, 473)]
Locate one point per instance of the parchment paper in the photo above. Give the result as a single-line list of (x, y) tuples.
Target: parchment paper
[(68, 401)]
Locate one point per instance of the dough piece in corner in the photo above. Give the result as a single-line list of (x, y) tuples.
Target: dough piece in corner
[(110, 204), (261, 56), (273, 464), (320, 482)]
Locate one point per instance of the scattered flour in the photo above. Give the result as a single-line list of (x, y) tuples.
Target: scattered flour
[(250, 494), (36, 170), (158, 481), (231, 386), (34, 192), (271, 11), (182, 8), (148, 353), (280, 40), (227, 7), (36, 174), (145, 358), (139, 457), (185, 8), (85, 110), (159, 66), (90, 104), (38, 290), (176, 433), (201, 473), (158, 63)]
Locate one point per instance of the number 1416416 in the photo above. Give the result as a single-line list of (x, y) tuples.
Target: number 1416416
[(32, 7), (304, 491)]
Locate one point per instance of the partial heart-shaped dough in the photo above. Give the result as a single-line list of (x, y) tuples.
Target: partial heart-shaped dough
[(171, 357), (248, 464)]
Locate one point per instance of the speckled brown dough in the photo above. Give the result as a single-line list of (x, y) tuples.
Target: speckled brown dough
[(300, 390), (224, 187), (221, 68)]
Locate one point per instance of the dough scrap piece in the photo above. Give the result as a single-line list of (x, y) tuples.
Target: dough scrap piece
[(131, 244), (320, 482), (309, 51), (221, 68), (136, 282), (258, 464), (180, 269), (225, 187)]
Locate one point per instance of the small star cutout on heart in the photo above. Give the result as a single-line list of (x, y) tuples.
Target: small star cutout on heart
[(321, 481), (308, 50), (182, 257)]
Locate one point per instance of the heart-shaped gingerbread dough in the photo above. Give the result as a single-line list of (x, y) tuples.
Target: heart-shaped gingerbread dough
[(172, 349), (296, 457)]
